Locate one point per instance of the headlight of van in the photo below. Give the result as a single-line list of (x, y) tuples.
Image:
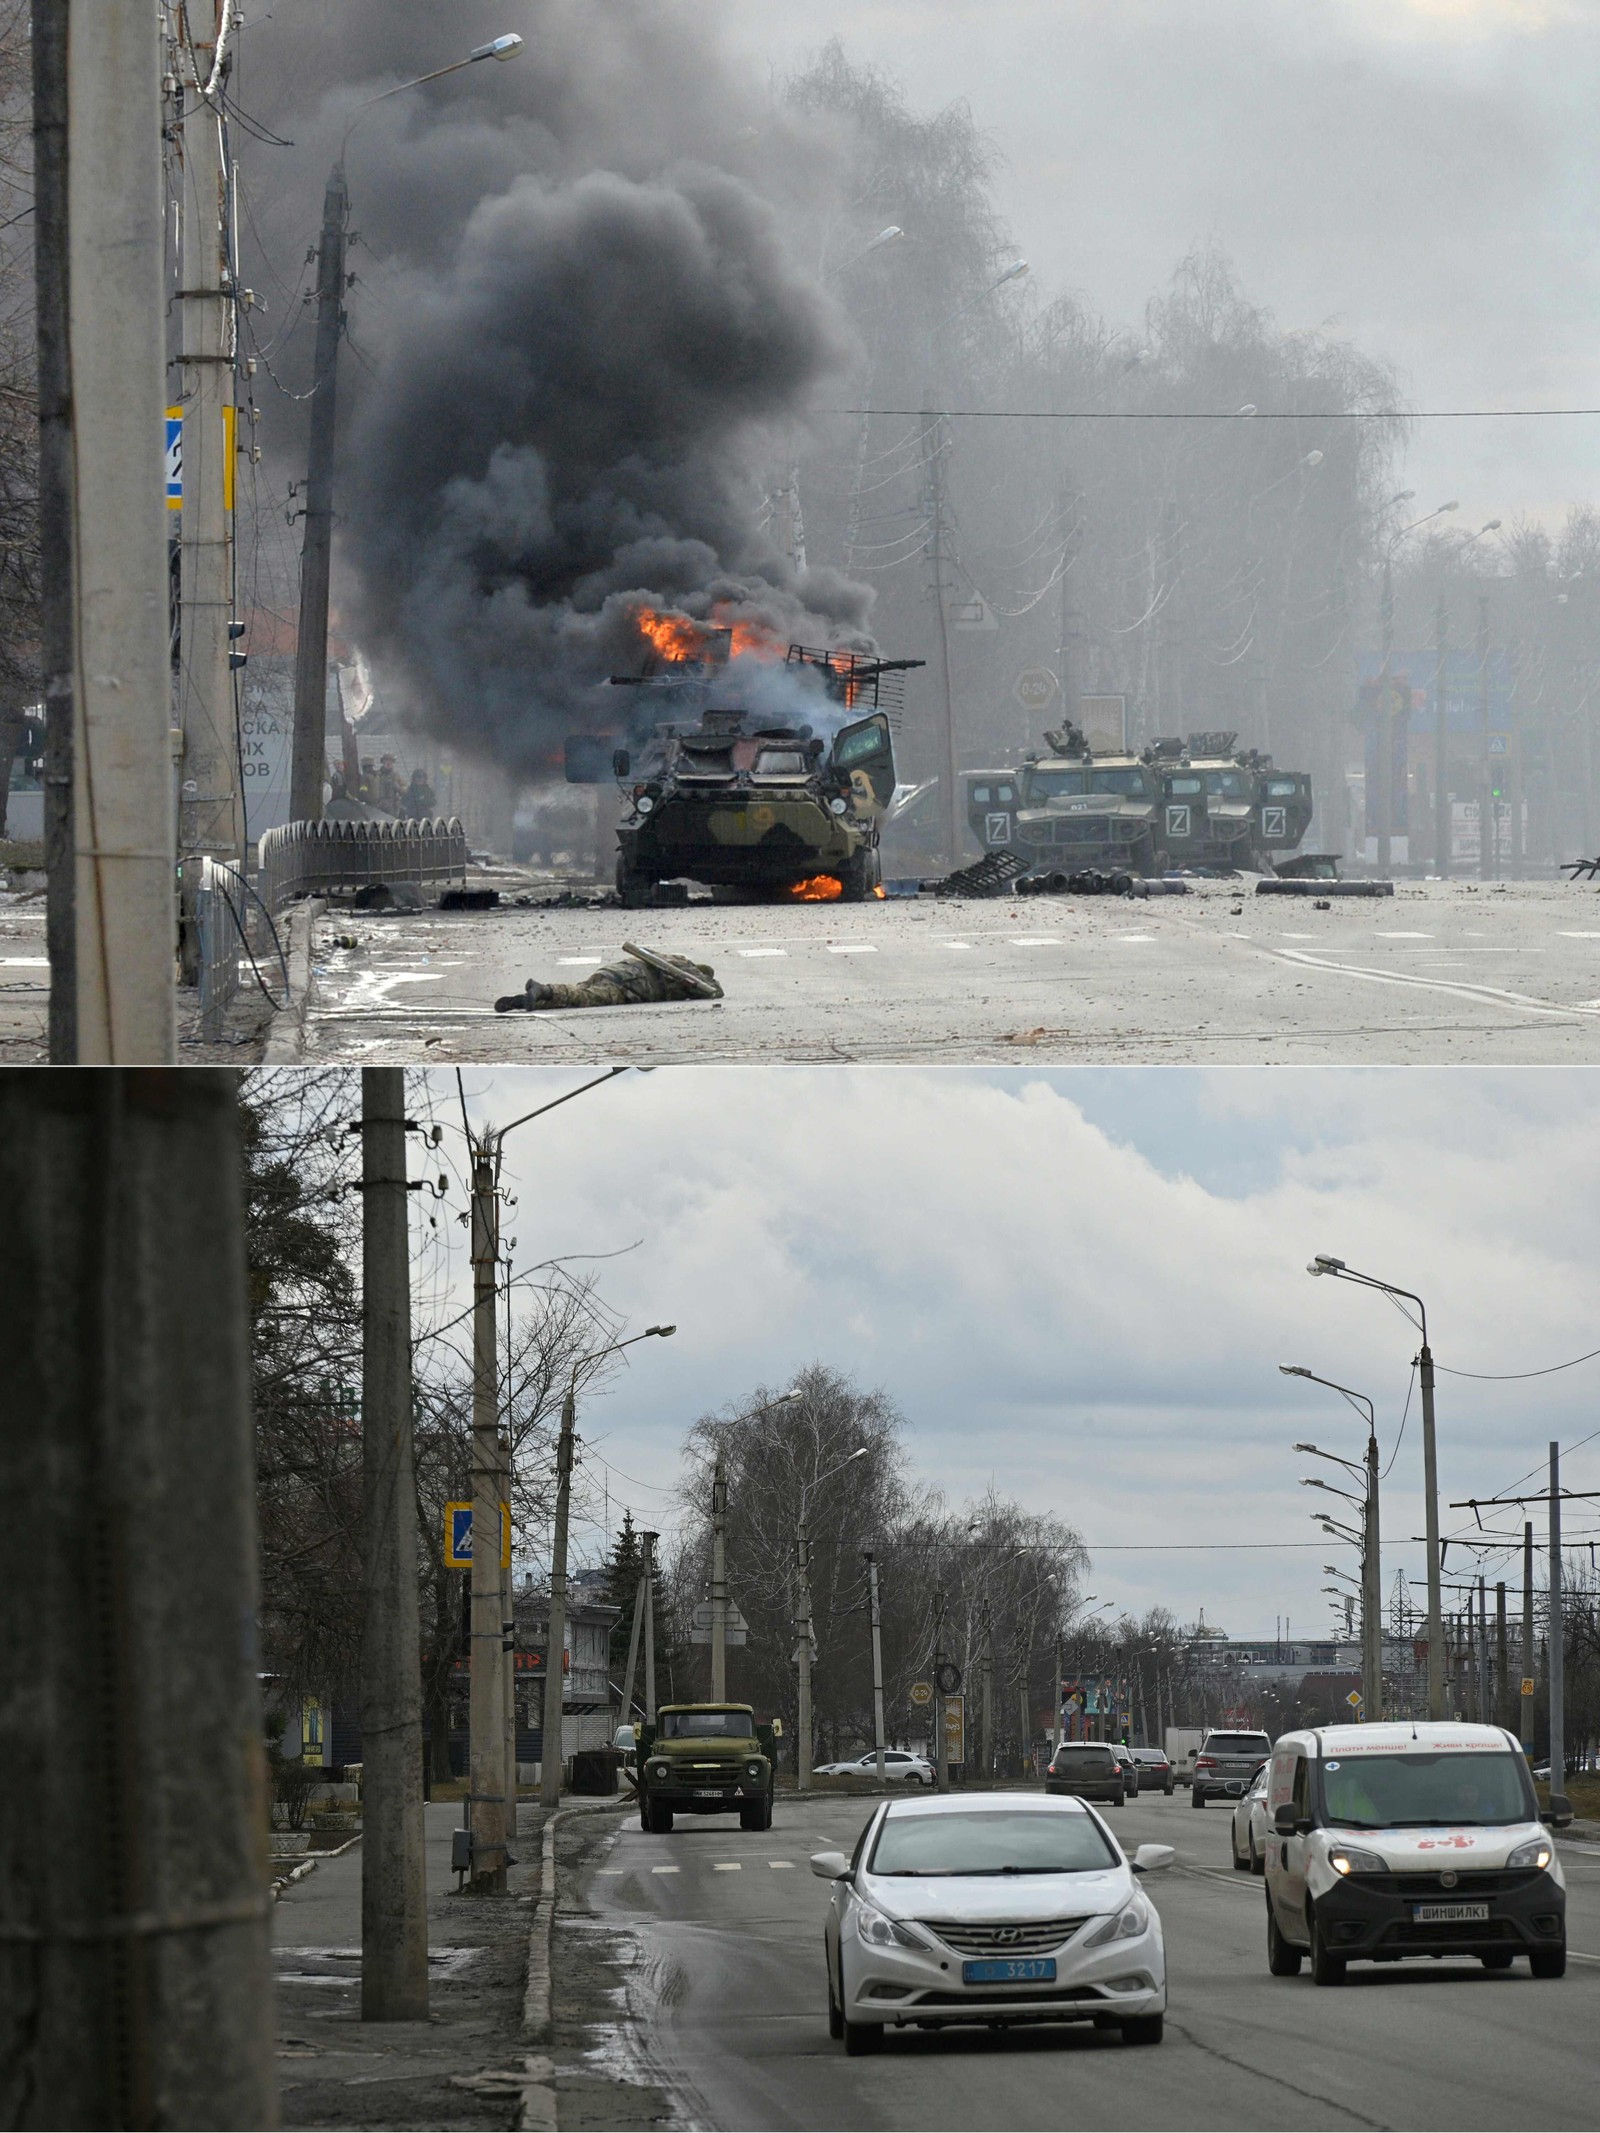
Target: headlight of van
[(1537, 1852), (881, 1932), (1350, 1859), (1125, 1924)]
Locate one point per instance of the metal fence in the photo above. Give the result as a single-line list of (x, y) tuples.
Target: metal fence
[(219, 922), (323, 858)]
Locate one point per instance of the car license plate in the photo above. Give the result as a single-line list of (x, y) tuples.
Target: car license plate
[(1030, 1969), (708, 1792), (1447, 1914)]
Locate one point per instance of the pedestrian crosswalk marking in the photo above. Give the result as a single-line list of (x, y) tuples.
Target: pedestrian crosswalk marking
[(761, 951), (1404, 936), (1581, 936), (574, 959), (1135, 936), (780, 1865), (611, 1872), (727, 1866), (852, 948), (1036, 940), (665, 1870)]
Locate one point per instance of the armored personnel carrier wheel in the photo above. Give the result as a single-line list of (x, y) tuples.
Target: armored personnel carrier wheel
[(860, 875), (632, 888)]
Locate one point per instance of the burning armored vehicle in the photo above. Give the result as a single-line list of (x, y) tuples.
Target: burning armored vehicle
[(734, 796)]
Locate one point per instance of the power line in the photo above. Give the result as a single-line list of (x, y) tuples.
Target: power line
[(1211, 414)]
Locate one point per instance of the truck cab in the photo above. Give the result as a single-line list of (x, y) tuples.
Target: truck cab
[(705, 1759)]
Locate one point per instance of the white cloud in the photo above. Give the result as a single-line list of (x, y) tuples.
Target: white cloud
[(1075, 1318)]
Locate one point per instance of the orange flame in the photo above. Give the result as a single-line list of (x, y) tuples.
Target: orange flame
[(880, 890), (820, 889), (678, 637)]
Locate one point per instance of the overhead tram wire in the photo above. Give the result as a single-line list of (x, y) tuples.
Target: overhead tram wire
[(1216, 414)]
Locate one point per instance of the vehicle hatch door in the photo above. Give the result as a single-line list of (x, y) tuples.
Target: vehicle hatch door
[(863, 755)]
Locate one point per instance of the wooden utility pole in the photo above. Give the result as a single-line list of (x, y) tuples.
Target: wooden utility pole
[(649, 1540), (394, 1904), (136, 1959)]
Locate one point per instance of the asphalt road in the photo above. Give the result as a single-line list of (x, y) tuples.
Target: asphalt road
[(727, 2006), (1449, 972)]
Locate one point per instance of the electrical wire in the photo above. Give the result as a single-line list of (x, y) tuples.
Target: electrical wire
[(1214, 414), (1507, 1377)]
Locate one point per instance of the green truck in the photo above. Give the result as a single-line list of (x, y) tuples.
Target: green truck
[(706, 1759)]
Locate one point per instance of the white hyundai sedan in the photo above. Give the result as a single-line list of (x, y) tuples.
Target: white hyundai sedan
[(997, 1907)]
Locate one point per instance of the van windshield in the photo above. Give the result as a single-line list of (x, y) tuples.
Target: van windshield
[(1418, 1790)]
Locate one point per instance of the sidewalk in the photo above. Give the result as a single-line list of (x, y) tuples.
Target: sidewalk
[(466, 2065)]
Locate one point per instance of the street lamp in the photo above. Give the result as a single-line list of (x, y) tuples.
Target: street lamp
[(802, 1561), (309, 745), (556, 1641), (1323, 1263), (1371, 1564)]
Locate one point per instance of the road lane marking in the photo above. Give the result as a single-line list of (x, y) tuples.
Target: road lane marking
[(960, 944), (780, 1866), (611, 1871), (1493, 994), (574, 959), (852, 948), (25, 962), (666, 1870), (1406, 936), (1578, 936), (727, 1866), (1294, 936), (760, 951), (1036, 940), (1133, 936)]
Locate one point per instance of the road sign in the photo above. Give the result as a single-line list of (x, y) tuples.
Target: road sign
[(1527, 1684), (1499, 744), (1036, 688), (973, 614), (921, 1692), (955, 1729), (174, 458), (458, 1536), (737, 1628), (947, 1677), (1104, 723), (1354, 1699)]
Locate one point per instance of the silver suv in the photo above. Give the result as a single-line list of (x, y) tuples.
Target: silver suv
[(1227, 1764)]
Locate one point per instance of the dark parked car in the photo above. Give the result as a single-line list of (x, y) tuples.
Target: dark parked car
[(1155, 1772), (1087, 1770), (1227, 1764)]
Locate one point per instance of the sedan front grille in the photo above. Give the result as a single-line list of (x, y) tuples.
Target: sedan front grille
[(1035, 1937)]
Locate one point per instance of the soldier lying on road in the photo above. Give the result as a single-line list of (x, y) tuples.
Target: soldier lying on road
[(647, 976)]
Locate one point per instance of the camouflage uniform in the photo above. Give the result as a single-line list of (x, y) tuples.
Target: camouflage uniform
[(628, 983)]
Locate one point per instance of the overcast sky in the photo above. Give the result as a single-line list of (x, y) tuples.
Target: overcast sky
[(1078, 1285), (1419, 175)]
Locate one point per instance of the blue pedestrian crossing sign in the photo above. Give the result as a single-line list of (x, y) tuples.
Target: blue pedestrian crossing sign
[(1499, 744), (174, 458), (458, 1536)]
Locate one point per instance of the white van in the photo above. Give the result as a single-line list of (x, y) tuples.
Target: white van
[(1401, 1839)]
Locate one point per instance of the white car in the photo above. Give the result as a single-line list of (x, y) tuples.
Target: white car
[(1249, 1831), (898, 1766), (996, 1907)]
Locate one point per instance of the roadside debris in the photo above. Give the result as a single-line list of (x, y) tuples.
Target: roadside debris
[(992, 875), (648, 977), (1581, 869), (1313, 887), (469, 900)]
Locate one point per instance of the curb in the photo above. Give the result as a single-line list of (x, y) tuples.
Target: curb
[(309, 1865), (538, 2112), (286, 1033)]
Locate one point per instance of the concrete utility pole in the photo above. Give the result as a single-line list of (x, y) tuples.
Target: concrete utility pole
[(1556, 1636), (487, 1805), (1525, 1701), (937, 444), (556, 1642), (1384, 811), (394, 1904), (1060, 1726), (631, 1675), (211, 808), (1502, 1700), (1430, 1490), (649, 1540), (876, 1616), (99, 251), (719, 1583), (941, 1743), (1371, 1595), (1488, 826), (986, 1693), (802, 1571), (136, 1961), (309, 758), (1441, 745)]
